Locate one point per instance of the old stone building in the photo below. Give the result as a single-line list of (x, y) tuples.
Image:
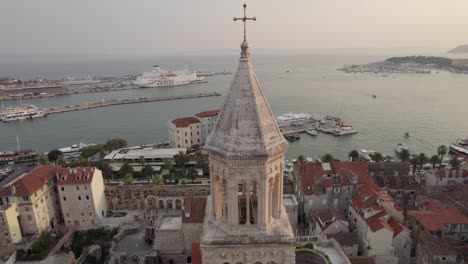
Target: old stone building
[(245, 220)]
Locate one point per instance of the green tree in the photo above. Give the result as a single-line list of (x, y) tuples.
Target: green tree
[(106, 169), (181, 160), (43, 159), (115, 143), (92, 150), (125, 169), (377, 157), (423, 159), (404, 155), (147, 172), (441, 151), (128, 179), (328, 158), (54, 155), (192, 173), (434, 160), (455, 163), (157, 180), (414, 162), (301, 159), (169, 166), (353, 155)]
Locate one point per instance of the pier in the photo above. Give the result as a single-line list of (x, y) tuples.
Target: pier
[(90, 105)]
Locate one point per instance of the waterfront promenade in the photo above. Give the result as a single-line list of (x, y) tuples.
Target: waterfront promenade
[(90, 105)]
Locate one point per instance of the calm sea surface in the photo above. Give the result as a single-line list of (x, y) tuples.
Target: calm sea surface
[(433, 108)]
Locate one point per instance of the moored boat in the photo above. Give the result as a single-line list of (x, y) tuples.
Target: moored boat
[(460, 148), (312, 132)]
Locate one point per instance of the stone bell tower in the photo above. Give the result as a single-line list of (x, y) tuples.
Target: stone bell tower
[(246, 221)]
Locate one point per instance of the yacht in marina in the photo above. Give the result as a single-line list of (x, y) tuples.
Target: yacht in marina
[(21, 112), (293, 117), (160, 78), (74, 150), (460, 148)]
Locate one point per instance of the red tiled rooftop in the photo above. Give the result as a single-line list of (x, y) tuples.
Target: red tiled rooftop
[(347, 170), (32, 181), (376, 222), (208, 113), (194, 210), (83, 175), (185, 121), (452, 173), (396, 227), (435, 220)]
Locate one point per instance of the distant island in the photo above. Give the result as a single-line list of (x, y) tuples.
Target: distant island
[(411, 64), (459, 49)]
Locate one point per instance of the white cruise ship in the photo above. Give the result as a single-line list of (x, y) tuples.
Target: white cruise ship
[(22, 112), (160, 78), (81, 81)]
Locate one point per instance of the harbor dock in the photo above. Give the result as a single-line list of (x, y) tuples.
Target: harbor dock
[(90, 105)]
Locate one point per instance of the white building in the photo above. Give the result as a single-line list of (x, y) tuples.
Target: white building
[(185, 132), (82, 198), (153, 156), (208, 121), (445, 177)]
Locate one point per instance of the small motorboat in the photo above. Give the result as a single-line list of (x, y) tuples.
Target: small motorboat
[(407, 135), (292, 137), (312, 132)]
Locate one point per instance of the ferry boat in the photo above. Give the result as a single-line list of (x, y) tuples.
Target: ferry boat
[(81, 81), (205, 73), (293, 117), (460, 148), (161, 78), (75, 149), (18, 156), (22, 112)]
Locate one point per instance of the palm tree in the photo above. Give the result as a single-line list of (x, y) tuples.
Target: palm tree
[(434, 160), (147, 172), (353, 155), (181, 160), (142, 161), (169, 165), (414, 161), (192, 173), (157, 180), (328, 158), (128, 179), (441, 151), (455, 163), (301, 159), (125, 169), (377, 157), (422, 160), (404, 155)]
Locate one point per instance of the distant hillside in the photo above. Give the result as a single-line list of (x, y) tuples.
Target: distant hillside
[(459, 49)]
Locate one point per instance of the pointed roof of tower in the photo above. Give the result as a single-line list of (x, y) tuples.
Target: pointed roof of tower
[(246, 125)]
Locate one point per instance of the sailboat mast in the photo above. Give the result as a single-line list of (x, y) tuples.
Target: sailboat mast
[(17, 143)]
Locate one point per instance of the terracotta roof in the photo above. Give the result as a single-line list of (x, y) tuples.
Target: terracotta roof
[(362, 260), (185, 121), (376, 222), (452, 173), (389, 168), (208, 113), (327, 216), (341, 174), (196, 253), (194, 210), (437, 246), (345, 238), (435, 220), (81, 175), (31, 182), (396, 227), (456, 197)]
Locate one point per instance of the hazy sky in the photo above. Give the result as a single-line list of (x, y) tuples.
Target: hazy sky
[(156, 26)]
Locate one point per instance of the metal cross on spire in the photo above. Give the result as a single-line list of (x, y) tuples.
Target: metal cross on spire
[(244, 19)]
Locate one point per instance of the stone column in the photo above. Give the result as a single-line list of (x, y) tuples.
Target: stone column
[(247, 186), (232, 202)]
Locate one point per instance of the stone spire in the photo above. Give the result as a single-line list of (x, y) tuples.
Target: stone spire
[(246, 126)]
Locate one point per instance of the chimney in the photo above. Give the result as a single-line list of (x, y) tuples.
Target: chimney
[(13, 190)]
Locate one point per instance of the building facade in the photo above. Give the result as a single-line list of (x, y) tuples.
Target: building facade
[(185, 132), (208, 121), (82, 197)]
